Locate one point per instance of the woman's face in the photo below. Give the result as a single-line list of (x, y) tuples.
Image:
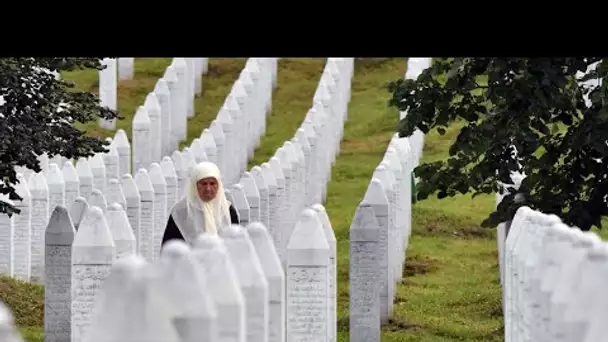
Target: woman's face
[(207, 188)]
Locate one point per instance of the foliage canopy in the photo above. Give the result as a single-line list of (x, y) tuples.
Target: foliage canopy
[(37, 115), (544, 117)]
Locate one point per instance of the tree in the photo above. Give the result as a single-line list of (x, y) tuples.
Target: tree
[(517, 114), (37, 115)]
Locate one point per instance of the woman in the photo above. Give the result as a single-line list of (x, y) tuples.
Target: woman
[(204, 207)]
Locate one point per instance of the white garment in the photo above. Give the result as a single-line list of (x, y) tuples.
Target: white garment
[(192, 215)]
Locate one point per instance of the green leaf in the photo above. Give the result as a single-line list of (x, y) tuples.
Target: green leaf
[(532, 103)]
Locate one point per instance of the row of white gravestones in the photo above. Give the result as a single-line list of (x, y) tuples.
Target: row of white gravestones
[(554, 281), (227, 288), (147, 197), (379, 236), (190, 83), (242, 117), (296, 176), (160, 124), (272, 193), (415, 66)]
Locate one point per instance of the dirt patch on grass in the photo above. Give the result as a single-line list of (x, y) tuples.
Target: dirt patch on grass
[(474, 232), (343, 324), (395, 326), (213, 70), (470, 232), (418, 265), (496, 311)]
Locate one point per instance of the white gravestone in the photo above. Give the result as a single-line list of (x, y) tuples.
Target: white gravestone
[(122, 145), (133, 198), (253, 196), (163, 95), (271, 183), (241, 204), (220, 139), (22, 235), (56, 186), (395, 238), (114, 193), (181, 71), (190, 85), (40, 217), (98, 168), (271, 264), (154, 113), (98, 199), (160, 206), (7, 231), (198, 151), (184, 289), (77, 210), (333, 268), (307, 276), (213, 259), (251, 279), (260, 183), (189, 160), (364, 276), (142, 147), (115, 299), (182, 173), (93, 253), (376, 197), (121, 230), (85, 177), (72, 183), (128, 309), (287, 207), (171, 180), (146, 218), (209, 145), (58, 276), (172, 82), (108, 88), (278, 235), (111, 160)]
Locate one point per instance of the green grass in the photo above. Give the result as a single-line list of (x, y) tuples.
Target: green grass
[(451, 290), (132, 93)]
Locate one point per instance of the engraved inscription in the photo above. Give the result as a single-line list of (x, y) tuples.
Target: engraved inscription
[(146, 229), (40, 215), (6, 235), (58, 293), (22, 243), (86, 286), (307, 294), (160, 207), (133, 216), (364, 289)]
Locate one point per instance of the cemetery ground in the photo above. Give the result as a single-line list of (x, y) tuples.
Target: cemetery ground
[(451, 288)]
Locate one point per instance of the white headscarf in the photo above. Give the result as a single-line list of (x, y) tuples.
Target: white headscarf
[(192, 215), (216, 213)]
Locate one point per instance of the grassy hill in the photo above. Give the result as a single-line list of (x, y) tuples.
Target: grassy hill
[(451, 291)]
